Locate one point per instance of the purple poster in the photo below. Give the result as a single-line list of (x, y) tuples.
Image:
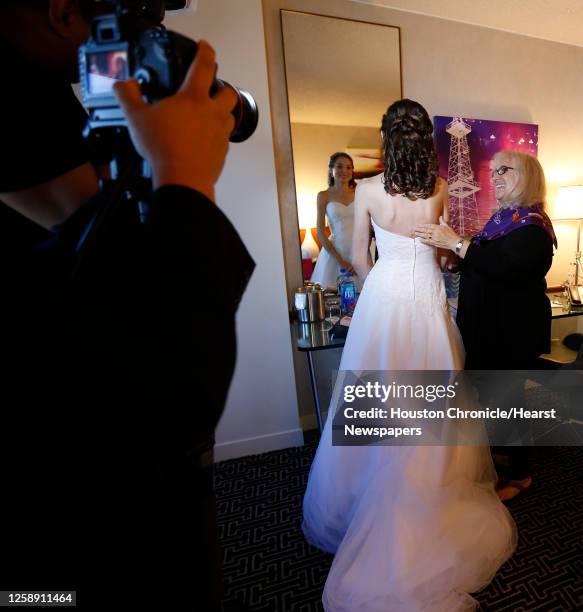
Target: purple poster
[(465, 147)]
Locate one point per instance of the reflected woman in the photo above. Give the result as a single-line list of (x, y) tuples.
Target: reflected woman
[(336, 203)]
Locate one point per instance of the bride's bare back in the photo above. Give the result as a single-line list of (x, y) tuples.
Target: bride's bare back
[(398, 214)]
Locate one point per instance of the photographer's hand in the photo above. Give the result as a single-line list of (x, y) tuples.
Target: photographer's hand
[(184, 137)]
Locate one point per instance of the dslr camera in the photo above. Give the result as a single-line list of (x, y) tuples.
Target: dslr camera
[(131, 42)]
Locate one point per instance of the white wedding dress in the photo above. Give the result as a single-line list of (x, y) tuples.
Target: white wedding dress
[(413, 528), (341, 221)]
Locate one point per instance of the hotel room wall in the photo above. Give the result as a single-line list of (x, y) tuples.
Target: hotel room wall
[(453, 68), (262, 407), (460, 69)]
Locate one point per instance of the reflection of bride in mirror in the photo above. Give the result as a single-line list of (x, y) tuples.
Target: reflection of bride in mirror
[(336, 203)]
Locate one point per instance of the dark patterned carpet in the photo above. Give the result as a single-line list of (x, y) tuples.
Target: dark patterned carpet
[(269, 566)]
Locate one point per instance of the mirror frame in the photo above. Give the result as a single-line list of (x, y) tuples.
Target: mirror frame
[(282, 144), (281, 124)]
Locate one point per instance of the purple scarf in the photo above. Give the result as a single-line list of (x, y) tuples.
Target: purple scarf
[(506, 220)]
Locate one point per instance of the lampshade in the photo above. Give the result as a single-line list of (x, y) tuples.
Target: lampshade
[(309, 247), (569, 203)]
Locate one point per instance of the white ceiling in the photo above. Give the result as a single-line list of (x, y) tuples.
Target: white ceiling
[(558, 20)]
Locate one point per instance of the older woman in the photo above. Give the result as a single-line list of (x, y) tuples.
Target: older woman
[(504, 314)]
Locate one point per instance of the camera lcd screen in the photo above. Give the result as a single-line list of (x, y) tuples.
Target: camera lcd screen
[(104, 68)]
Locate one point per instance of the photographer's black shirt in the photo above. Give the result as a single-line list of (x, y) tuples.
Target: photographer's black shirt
[(168, 290), (113, 378)]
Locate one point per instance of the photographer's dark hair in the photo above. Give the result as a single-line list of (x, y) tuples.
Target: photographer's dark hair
[(332, 162), (410, 158)]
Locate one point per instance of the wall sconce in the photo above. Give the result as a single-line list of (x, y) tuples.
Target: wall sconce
[(570, 207)]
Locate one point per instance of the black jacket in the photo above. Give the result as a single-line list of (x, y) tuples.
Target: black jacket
[(504, 314), (111, 380)]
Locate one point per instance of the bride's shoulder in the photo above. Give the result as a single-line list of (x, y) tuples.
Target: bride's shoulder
[(371, 183)]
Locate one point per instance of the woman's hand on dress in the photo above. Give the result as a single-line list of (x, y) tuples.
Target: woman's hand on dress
[(441, 236)]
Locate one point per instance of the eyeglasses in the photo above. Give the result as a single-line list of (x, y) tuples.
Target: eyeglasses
[(500, 170)]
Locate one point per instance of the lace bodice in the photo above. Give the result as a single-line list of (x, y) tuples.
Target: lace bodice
[(341, 221), (407, 271)]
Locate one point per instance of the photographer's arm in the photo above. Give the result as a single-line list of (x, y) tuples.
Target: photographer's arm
[(198, 266)]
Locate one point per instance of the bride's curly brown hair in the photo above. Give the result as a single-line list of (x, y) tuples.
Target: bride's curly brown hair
[(410, 158)]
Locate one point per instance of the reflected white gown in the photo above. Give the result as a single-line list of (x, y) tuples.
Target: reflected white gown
[(413, 528), (341, 221)]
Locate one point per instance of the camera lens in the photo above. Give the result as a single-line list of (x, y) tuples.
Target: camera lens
[(245, 113)]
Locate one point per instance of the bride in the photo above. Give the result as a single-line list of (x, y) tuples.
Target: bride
[(336, 203), (412, 528)]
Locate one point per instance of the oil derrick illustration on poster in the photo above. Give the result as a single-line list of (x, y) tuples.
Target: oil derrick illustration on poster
[(462, 186)]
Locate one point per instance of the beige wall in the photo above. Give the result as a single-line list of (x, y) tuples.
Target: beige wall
[(454, 68), (262, 408), (451, 68)]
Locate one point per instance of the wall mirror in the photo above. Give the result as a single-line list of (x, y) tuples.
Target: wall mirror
[(341, 75)]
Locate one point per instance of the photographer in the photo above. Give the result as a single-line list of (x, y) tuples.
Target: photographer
[(118, 369)]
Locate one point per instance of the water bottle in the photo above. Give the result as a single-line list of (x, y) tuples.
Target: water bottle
[(339, 279), (348, 293)]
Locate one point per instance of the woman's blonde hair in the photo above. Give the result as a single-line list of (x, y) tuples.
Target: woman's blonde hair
[(531, 186)]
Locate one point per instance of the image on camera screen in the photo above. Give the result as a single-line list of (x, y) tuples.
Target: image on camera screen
[(103, 69)]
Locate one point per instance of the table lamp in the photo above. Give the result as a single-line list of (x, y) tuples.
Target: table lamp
[(570, 207)]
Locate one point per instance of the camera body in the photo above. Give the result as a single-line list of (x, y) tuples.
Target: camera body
[(156, 57), (132, 43)]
